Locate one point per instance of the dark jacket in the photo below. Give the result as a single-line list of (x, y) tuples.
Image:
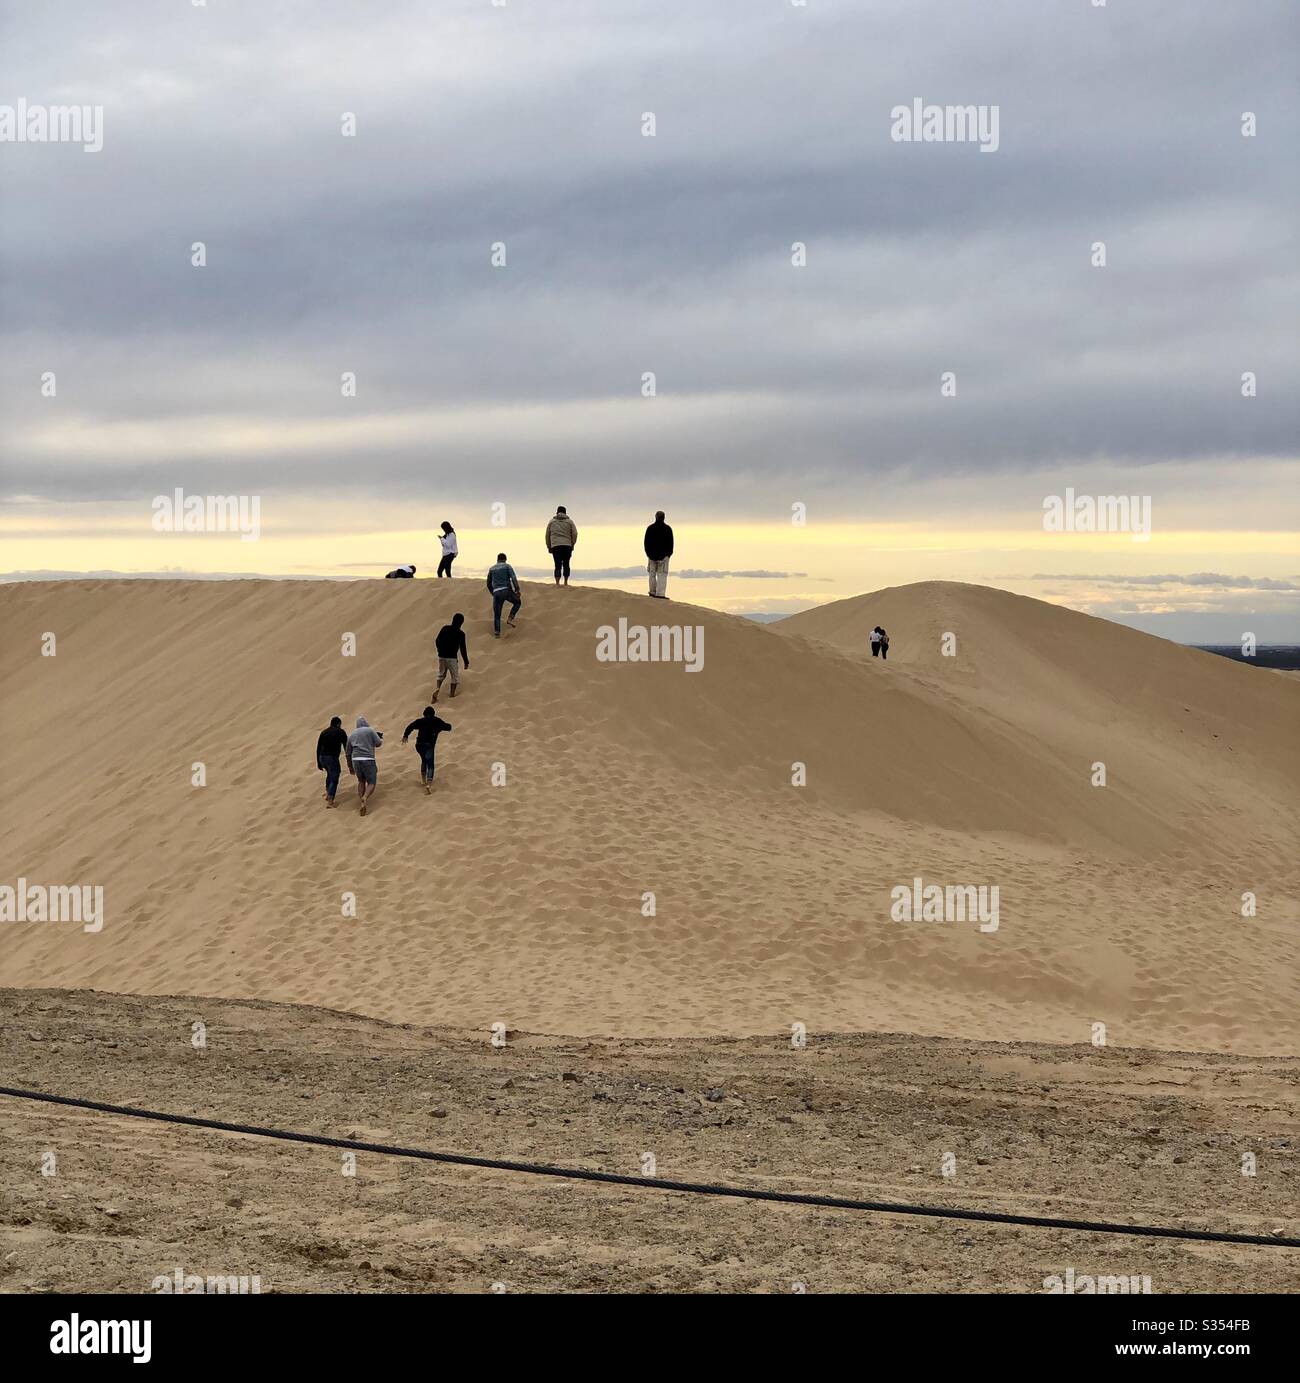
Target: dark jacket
[(333, 740), (450, 642), (658, 541), (427, 728)]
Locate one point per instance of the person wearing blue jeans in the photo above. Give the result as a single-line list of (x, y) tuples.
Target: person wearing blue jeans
[(504, 586), (427, 729), (332, 742)]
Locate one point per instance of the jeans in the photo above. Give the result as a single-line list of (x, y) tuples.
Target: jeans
[(499, 598), (562, 555), (426, 761), (332, 770), (444, 567)]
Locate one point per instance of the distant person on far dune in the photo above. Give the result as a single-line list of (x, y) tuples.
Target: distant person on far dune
[(363, 746), (884, 644), (450, 644), (876, 635), (658, 549), (427, 729), (331, 743), (401, 573), (561, 539), (504, 585), (450, 549)]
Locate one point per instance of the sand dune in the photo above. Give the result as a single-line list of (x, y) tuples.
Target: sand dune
[(523, 902)]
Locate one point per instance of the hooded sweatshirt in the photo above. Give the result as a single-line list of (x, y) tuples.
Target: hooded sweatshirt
[(427, 729), (363, 742), (561, 532), (451, 640)]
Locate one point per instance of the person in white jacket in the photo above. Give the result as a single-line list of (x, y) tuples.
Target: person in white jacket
[(449, 549)]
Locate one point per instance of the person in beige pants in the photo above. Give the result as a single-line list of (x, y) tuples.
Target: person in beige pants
[(658, 549)]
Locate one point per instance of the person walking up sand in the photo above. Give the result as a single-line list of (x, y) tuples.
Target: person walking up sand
[(363, 746), (503, 585), (450, 644), (658, 549), (450, 549), (561, 539), (876, 635), (427, 729), (884, 645), (331, 743)]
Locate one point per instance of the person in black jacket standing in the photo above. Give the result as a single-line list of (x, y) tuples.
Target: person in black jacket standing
[(332, 742), (427, 729), (450, 644), (658, 549)]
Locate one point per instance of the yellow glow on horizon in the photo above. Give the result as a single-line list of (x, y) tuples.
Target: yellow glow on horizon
[(820, 562)]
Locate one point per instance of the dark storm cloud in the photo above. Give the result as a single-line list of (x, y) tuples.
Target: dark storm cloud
[(522, 124)]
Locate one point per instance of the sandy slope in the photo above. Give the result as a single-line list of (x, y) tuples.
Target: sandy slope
[(524, 902)]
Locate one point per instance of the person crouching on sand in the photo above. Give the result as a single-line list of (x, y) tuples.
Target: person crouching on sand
[(450, 644), (450, 550), (504, 585), (427, 729), (332, 742), (363, 746)]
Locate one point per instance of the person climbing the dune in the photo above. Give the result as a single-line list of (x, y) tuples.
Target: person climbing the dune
[(450, 644), (427, 729), (363, 748), (503, 585), (876, 635), (329, 745), (884, 644)]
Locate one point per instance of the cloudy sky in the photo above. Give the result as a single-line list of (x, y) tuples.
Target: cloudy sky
[(776, 384)]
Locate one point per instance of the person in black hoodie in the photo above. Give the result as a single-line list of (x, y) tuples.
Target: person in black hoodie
[(333, 740), (450, 644), (658, 549), (427, 729)]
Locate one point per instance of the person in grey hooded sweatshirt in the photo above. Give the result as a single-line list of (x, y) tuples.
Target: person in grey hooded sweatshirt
[(363, 749)]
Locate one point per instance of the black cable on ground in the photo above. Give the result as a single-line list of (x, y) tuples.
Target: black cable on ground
[(660, 1183)]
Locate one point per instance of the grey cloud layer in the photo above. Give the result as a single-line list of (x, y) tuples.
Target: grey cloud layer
[(627, 254)]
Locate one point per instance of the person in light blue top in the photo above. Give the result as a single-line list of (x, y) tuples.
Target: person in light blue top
[(503, 585)]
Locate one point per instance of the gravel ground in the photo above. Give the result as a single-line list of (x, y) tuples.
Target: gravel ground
[(1140, 1136)]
